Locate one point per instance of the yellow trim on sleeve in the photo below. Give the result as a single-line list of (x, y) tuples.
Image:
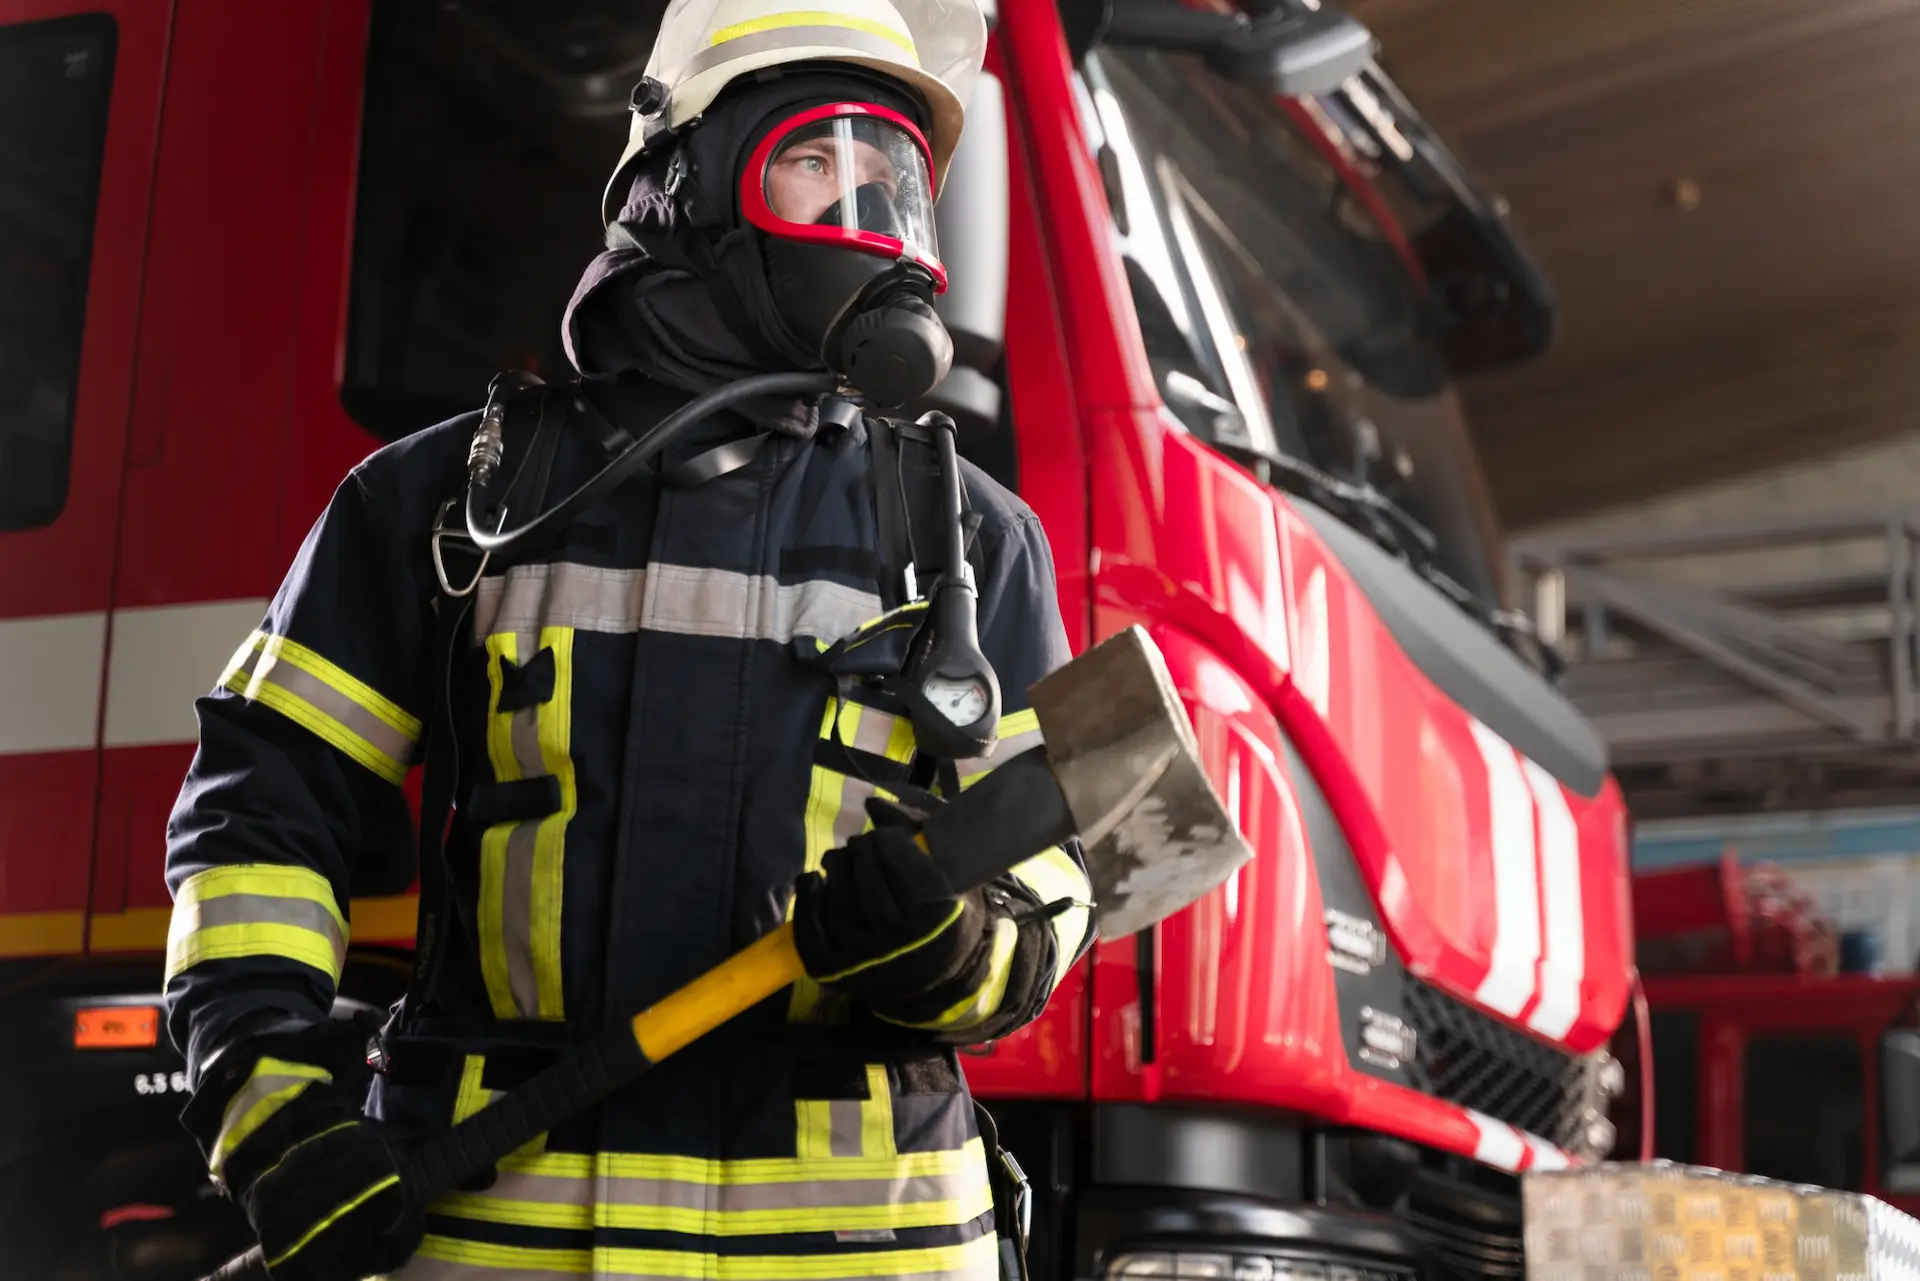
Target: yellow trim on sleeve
[(273, 880), (280, 649)]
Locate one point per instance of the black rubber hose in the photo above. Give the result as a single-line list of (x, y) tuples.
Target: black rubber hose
[(634, 456)]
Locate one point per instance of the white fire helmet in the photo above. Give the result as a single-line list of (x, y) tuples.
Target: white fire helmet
[(935, 47)]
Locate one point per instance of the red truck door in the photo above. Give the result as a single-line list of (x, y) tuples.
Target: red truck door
[(80, 84), (203, 534)]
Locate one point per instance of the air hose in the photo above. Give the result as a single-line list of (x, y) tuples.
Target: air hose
[(483, 462)]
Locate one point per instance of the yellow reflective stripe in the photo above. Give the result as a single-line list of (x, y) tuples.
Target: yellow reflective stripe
[(549, 858), (746, 1223), (814, 1120), (327, 701), (814, 18), (471, 1096), (1014, 724), (271, 1085), (876, 1116), (519, 1258), (523, 862), (256, 909), (1053, 875), (231, 942), (269, 880), (1019, 732), (984, 1001), (342, 1211), (978, 1254), (493, 842), (901, 743)]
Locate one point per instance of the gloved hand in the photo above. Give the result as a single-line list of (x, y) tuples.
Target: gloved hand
[(319, 1182), (877, 923)]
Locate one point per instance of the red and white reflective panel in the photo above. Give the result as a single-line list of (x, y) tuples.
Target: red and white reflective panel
[(1538, 959), (1506, 1148)]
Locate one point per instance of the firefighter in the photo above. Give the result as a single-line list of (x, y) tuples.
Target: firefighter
[(666, 724)]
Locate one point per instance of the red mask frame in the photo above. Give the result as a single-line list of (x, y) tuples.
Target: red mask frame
[(753, 191)]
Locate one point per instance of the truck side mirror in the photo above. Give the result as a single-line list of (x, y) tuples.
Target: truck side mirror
[(1900, 1109), (1292, 54)]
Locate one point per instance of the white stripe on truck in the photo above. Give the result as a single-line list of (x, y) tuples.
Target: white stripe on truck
[(162, 659)]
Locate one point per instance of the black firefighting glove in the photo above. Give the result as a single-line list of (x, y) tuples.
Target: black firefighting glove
[(280, 1123), (876, 922)]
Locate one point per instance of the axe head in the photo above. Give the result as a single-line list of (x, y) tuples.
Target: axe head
[(1157, 835)]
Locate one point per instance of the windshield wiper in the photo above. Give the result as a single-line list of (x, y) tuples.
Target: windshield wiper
[(1398, 531)]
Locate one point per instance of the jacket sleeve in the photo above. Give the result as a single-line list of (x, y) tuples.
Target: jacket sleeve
[(303, 748), (1041, 911)]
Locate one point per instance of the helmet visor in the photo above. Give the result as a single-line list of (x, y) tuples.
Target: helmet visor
[(853, 175)]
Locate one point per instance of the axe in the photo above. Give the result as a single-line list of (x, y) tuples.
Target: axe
[(1120, 770)]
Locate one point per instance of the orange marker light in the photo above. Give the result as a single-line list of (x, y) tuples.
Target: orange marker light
[(116, 1027)]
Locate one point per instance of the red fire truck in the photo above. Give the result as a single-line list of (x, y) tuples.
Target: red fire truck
[(1206, 327), (1748, 1009)]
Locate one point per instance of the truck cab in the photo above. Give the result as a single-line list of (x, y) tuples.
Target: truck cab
[(1207, 329)]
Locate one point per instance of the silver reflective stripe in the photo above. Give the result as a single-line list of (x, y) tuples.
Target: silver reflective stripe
[(843, 1120), (587, 597), (721, 603), (962, 1186), (851, 818), (331, 703), (875, 731), (681, 599), (516, 917), (746, 46), (262, 909)]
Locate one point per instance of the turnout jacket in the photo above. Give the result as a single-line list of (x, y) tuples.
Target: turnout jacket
[(663, 717)]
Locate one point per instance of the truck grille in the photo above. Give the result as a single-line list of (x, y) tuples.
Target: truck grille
[(1468, 1058)]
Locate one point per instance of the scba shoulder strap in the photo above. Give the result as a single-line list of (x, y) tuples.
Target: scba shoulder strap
[(907, 509)]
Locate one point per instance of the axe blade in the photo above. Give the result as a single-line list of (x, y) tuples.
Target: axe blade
[(1122, 751)]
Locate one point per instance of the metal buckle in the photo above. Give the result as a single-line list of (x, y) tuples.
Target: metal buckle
[(1022, 1196), (442, 530)]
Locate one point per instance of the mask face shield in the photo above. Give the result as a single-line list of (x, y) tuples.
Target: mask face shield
[(850, 175)]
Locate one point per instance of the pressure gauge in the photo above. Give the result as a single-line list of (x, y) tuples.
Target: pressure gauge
[(963, 701)]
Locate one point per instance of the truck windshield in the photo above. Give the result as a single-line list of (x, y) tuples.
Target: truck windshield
[(1279, 323)]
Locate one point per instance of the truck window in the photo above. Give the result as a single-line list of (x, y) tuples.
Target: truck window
[(1803, 1109), (55, 81), (484, 149), (1275, 318)]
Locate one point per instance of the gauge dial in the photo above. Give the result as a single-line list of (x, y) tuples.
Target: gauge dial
[(962, 701)]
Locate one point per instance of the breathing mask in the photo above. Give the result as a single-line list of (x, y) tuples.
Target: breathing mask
[(842, 197)]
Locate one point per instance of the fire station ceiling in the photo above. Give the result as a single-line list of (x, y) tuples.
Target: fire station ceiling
[(1722, 193)]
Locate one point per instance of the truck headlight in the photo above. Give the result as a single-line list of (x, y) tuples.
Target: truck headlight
[(1153, 1265)]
